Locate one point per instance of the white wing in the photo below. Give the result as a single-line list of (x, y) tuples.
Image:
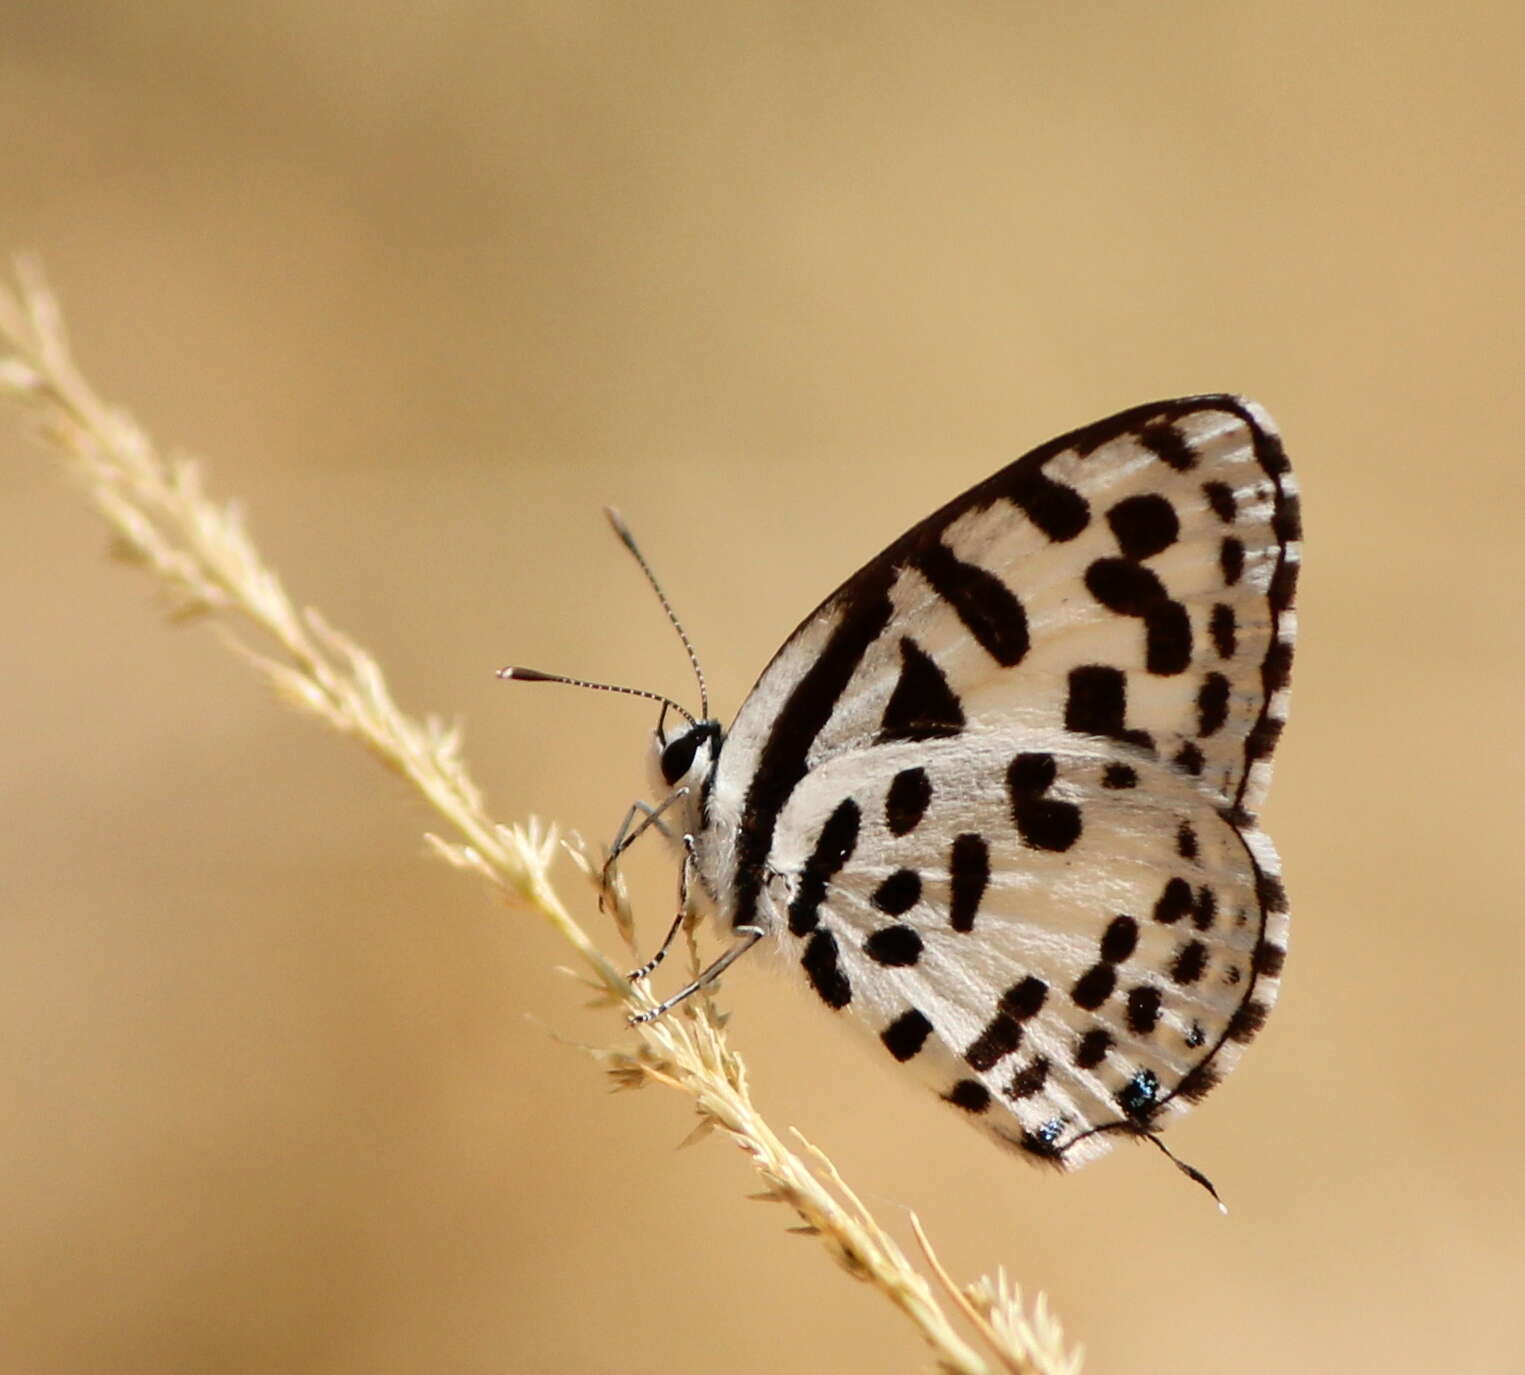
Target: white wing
[(1058, 955), (1082, 663)]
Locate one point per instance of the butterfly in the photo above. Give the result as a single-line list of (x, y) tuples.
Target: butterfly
[(995, 797)]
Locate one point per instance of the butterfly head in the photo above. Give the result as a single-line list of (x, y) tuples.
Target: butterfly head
[(684, 759)]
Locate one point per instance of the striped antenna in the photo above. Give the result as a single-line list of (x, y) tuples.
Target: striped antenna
[(534, 675), (623, 531)]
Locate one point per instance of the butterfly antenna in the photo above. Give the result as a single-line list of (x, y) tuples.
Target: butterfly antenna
[(623, 531), (534, 675)]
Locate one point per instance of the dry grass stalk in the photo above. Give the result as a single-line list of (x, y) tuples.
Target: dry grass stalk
[(162, 520)]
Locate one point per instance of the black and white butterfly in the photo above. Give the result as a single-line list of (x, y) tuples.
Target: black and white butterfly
[(995, 797)]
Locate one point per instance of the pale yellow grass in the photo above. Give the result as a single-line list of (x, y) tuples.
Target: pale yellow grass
[(162, 520)]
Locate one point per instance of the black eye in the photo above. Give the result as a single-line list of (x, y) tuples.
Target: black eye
[(678, 757)]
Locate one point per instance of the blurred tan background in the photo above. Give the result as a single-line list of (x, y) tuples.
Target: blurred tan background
[(427, 285)]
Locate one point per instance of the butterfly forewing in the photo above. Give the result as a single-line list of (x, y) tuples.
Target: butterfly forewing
[(995, 793)]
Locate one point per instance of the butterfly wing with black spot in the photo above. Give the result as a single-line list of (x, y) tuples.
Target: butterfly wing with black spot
[(1072, 678), (1057, 946)]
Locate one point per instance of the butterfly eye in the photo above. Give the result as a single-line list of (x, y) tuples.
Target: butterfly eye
[(678, 756)]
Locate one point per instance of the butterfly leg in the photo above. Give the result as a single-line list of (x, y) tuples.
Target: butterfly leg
[(746, 938), (625, 837), (636, 975)]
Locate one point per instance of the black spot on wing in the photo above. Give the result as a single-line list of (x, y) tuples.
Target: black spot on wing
[(1140, 1095), (905, 1036), (1269, 450), (1283, 585), (1190, 759), (1119, 940), (1043, 823), (833, 848), (922, 705), (1276, 671), (1129, 589), (1000, 1037), (1231, 560), (1220, 496), (1025, 999), (998, 1040), (969, 873), (909, 797), (1144, 525), (1059, 511), (1268, 959), (988, 608), (1096, 704), (1168, 444), (1094, 987), (1262, 738), (1143, 1009), (824, 971), (1190, 963), (1287, 522), (898, 893), (1119, 776), (1212, 704), (1003, 1034), (970, 1095), (1223, 630), (1043, 1143), (1097, 984), (1247, 1020), (1271, 891), (1029, 1079), (893, 946), (1198, 1082), (1174, 903), (1093, 1048)]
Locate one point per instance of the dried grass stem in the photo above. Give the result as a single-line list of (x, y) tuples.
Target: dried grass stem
[(162, 520)]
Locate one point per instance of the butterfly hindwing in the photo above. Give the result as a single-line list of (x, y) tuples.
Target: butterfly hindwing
[(1024, 934), (1024, 745)]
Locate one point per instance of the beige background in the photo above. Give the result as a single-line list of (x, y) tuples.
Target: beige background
[(427, 285)]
